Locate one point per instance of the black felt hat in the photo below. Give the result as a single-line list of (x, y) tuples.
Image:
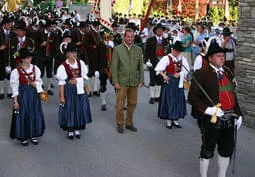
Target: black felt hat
[(226, 32), (24, 53), (21, 25), (71, 48), (6, 20), (83, 24), (159, 25), (67, 34), (95, 23), (178, 46), (115, 24), (214, 48), (132, 26)]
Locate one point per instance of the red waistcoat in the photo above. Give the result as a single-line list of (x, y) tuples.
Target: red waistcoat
[(173, 67), (73, 72), (25, 79), (160, 50), (226, 94), (204, 62)]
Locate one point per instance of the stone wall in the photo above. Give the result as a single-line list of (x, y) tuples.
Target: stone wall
[(245, 60)]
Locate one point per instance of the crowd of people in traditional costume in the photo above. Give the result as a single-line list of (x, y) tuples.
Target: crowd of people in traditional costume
[(78, 53)]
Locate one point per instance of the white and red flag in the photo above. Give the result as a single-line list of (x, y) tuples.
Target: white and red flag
[(179, 8)]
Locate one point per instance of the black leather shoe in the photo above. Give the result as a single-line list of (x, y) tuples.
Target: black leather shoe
[(1, 96), (157, 99), (96, 94), (70, 135), (177, 125), (77, 134), (9, 95), (131, 128), (34, 141), (169, 126), (50, 92), (152, 100), (90, 94), (103, 107), (120, 129), (24, 143)]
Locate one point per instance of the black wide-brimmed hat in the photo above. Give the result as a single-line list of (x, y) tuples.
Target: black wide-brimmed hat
[(21, 25), (214, 48), (68, 22), (67, 34), (83, 24), (115, 24), (49, 23), (95, 23), (70, 48), (226, 32), (6, 20), (132, 26), (159, 25), (24, 53), (178, 46)]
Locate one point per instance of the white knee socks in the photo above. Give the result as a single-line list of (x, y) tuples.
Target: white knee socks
[(204, 163), (152, 92), (157, 91), (223, 163), (2, 87), (102, 97)]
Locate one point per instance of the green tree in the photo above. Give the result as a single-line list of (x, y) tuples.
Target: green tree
[(215, 15)]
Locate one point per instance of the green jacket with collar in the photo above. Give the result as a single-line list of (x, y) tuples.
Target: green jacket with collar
[(127, 65)]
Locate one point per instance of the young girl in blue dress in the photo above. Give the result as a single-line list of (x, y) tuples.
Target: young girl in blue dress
[(74, 111), (27, 120), (174, 69)]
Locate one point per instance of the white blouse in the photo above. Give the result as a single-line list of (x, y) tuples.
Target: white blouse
[(164, 62), (14, 80), (62, 75), (198, 63)]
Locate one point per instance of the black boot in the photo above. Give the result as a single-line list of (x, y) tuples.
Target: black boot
[(152, 100), (1, 96)]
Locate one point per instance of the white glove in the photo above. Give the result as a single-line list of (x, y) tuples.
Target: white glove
[(148, 64), (211, 111), (97, 74), (238, 122)]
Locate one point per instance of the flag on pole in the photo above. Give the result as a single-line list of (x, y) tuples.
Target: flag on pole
[(168, 8), (226, 10), (179, 8), (102, 10), (106, 13)]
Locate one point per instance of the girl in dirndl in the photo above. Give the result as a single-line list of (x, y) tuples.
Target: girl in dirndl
[(27, 119), (173, 68), (74, 111)]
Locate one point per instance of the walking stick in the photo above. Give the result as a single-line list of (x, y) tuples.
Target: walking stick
[(218, 105)]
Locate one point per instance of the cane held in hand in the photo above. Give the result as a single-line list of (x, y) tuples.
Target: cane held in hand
[(214, 117)]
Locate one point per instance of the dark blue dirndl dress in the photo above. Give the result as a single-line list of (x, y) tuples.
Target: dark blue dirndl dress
[(75, 113), (172, 105), (29, 122)]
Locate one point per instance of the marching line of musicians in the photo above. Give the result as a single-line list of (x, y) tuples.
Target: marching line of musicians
[(74, 55)]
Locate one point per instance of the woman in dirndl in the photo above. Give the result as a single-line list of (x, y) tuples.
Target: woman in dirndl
[(174, 69), (74, 111), (27, 119)]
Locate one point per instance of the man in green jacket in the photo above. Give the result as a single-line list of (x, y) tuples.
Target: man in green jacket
[(127, 77)]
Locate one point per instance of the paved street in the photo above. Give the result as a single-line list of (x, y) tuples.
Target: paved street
[(153, 151)]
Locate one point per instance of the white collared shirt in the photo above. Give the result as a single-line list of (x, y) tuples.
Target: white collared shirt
[(62, 75), (128, 47), (216, 69)]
